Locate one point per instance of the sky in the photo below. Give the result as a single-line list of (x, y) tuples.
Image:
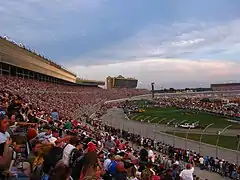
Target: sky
[(174, 43)]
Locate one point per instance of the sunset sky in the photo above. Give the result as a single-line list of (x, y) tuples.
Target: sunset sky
[(175, 43)]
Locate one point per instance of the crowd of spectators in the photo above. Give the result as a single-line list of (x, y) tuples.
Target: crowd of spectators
[(36, 143), (179, 158), (217, 106), (67, 149), (66, 99), (61, 149), (40, 139)]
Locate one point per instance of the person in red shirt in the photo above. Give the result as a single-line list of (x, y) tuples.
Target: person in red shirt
[(75, 123), (121, 145)]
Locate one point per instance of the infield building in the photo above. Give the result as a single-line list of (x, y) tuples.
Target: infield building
[(121, 82)]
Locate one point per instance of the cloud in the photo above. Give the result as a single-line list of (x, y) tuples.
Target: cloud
[(178, 73), (98, 32), (38, 22), (166, 42), (185, 43), (189, 40)]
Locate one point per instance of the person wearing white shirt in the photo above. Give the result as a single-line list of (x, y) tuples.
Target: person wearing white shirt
[(5, 141), (151, 155), (187, 174), (201, 161)]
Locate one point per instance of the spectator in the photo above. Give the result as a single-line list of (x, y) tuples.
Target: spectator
[(187, 174), (89, 167), (60, 172), (107, 162), (144, 154), (5, 142), (169, 175), (201, 161), (70, 151), (109, 144), (54, 115)]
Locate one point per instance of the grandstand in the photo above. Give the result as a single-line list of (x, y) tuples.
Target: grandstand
[(225, 86), (17, 60), (89, 82)]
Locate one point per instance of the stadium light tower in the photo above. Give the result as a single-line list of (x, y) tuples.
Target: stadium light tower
[(153, 85)]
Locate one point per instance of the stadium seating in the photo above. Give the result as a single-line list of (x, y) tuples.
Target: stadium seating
[(66, 99)]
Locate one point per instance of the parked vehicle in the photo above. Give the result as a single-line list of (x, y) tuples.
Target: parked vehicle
[(189, 125)]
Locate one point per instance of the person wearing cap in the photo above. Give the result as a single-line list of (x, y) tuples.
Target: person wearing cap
[(31, 134), (91, 147), (187, 174)]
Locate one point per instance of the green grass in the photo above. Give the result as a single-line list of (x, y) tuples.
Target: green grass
[(229, 142), (177, 114)]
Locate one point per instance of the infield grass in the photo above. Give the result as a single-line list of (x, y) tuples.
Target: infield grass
[(180, 115)]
